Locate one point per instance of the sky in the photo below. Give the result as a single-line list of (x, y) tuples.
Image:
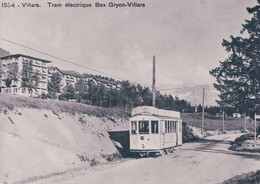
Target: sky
[(184, 35)]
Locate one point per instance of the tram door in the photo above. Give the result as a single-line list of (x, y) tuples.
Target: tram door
[(179, 133), (162, 134)]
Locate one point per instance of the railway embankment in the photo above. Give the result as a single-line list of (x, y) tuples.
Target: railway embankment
[(40, 137)]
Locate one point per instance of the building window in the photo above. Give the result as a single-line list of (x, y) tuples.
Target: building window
[(15, 90), (143, 127), (23, 90)]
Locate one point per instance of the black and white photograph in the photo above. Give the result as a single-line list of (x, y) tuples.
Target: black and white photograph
[(129, 92)]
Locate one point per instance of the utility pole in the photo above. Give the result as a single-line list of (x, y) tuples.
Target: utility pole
[(154, 91), (223, 119), (245, 121), (255, 130), (202, 119)]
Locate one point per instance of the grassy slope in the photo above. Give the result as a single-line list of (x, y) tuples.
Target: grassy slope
[(12, 101), (211, 122), (215, 123)]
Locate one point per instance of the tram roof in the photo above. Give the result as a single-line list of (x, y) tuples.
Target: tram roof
[(152, 111), (160, 117)]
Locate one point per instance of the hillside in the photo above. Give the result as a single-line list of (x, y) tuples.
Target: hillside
[(42, 137), (215, 123)]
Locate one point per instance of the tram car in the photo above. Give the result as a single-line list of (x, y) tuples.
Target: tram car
[(154, 131)]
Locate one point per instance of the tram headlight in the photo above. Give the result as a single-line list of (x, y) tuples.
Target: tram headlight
[(142, 137)]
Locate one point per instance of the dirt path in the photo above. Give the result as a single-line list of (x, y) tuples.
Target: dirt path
[(207, 161)]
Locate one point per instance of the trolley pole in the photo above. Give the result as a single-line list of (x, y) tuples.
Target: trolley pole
[(202, 119), (154, 91)]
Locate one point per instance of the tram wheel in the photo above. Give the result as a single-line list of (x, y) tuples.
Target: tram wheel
[(142, 154)]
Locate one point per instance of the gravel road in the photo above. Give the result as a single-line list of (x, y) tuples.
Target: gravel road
[(206, 161)]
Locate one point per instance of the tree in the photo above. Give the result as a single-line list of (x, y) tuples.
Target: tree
[(30, 79), (69, 93), (146, 95), (101, 94), (238, 76), (11, 74), (81, 87), (126, 90), (54, 84)]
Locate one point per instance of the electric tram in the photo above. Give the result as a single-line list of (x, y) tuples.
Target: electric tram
[(154, 130)]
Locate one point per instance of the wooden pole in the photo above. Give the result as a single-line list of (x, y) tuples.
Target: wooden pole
[(202, 119), (223, 119), (154, 91), (245, 121), (255, 129)]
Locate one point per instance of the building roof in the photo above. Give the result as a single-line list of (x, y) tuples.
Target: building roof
[(22, 55), (106, 81), (73, 73), (54, 67)]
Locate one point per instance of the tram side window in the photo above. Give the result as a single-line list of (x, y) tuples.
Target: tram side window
[(143, 127), (133, 127), (154, 127), (167, 126), (171, 127), (175, 126)]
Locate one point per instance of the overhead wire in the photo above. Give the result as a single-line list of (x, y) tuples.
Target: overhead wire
[(67, 61)]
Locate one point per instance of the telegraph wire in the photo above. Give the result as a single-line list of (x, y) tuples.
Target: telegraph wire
[(67, 61)]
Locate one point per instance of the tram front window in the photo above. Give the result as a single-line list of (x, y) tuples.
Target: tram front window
[(133, 127), (143, 127), (154, 127)]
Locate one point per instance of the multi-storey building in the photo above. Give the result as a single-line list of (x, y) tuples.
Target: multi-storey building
[(24, 75), (71, 77), (29, 76), (108, 83)]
